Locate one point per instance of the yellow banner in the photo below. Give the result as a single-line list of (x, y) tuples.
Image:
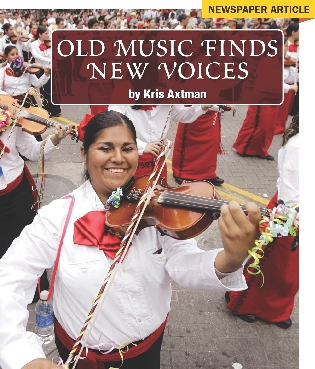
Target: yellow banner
[(250, 9)]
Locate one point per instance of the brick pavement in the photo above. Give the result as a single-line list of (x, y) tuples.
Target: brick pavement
[(200, 332)]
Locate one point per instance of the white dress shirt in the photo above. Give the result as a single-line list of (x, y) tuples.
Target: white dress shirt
[(25, 144), (137, 302), (150, 124), (288, 166), (19, 85), (20, 45), (43, 57)]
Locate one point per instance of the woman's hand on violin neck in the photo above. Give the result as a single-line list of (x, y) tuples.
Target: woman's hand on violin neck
[(153, 148), (61, 132), (47, 71), (40, 364), (238, 233)]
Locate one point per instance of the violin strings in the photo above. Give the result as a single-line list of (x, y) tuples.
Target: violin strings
[(195, 201)]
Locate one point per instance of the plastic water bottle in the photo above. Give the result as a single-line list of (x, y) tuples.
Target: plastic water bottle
[(3, 184), (44, 319)]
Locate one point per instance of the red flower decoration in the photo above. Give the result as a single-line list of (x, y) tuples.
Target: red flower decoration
[(83, 124), (43, 47), (292, 48)]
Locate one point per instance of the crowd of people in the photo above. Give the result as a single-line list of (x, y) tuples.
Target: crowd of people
[(28, 21), (120, 144)]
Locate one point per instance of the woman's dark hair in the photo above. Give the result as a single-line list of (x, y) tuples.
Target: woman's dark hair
[(8, 49), (78, 20), (292, 27), (106, 119), (41, 20), (292, 130), (40, 31), (91, 22), (6, 27)]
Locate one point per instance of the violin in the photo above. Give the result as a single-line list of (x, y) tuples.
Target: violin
[(2, 57), (33, 120), (289, 63), (34, 68), (47, 43), (15, 38), (179, 212)]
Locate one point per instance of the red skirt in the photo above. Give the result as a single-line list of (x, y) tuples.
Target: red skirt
[(196, 147), (283, 113), (146, 165), (274, 301), (257, 131)]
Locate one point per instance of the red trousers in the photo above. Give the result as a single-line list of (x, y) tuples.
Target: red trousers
[(257, 131)]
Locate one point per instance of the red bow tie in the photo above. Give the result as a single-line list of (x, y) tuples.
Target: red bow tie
[(90, 230), (292, 48), (43, 47), (10, 72)]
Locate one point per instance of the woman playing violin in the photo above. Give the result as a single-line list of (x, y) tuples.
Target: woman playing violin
[(19, 195), (41, 51), (15, 78), (10, 38), (138, 301)]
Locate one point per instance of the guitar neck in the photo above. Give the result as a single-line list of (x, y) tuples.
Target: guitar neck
[(38, 119), (196, 202)]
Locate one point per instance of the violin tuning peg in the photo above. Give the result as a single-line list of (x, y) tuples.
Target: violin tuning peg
[(216, 215)]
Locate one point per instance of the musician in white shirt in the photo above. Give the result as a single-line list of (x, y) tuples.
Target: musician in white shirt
[(18, 85), (138, 301), (42, 55), (6, 40)]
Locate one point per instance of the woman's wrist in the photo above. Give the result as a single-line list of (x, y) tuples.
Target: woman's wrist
[(222, 265), (55, 139)]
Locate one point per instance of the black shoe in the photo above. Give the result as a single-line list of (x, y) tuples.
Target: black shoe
[(285, 324), (269, 157), (227, 296), (216, 181), (178, 180), (56, 115), (249, 318)]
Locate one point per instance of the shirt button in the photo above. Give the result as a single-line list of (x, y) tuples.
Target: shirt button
[(139, 319), (132, 295)]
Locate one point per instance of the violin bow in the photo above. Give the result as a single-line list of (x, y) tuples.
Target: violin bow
[(119, 257)]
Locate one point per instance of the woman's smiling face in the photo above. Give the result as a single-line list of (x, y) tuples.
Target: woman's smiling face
[(111, 160)]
